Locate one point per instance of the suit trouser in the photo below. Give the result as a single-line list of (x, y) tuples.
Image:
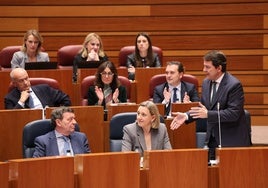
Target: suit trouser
[(212, 145)]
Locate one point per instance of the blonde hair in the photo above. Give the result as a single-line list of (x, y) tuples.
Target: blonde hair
[(37, 35), (153, 111), (89, 37)]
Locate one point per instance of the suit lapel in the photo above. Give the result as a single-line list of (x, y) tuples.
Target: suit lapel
[(54, 144), (141, 139)]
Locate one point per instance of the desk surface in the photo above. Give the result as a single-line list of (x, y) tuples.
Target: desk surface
[(177, 168), (43, 172), (102, 170)]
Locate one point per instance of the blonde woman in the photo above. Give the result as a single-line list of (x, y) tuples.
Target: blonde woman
[(147, 133), (30, 50), (92, 50)]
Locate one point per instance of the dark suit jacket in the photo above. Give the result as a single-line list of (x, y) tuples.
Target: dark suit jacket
[(158, 96), (93, 98), (230, 96), (46, 145), (133, 138), (47, 95)]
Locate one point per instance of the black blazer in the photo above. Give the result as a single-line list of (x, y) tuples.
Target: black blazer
[(47, 95), (93, 98)]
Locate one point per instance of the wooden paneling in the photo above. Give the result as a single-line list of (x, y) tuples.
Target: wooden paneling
[(73, 11), (4, 174), (151, 23), (42, 172), (13, 122), (243, 167), (120, 2), (104, 170), (210, 9), (17, 24), (171, 168)]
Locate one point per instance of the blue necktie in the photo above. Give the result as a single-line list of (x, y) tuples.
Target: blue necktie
[(31, 102), (66, 148), (175, 98)]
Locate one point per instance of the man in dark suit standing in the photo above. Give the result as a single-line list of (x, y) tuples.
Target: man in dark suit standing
[(63, 140), (174, 90), (226, 102), (27, 96)]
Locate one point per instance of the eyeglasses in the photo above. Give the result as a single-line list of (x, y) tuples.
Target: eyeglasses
[(107, 74)]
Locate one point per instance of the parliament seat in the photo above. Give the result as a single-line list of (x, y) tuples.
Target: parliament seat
[(117, 124), (36, 81), (66, 54), (6, 55)]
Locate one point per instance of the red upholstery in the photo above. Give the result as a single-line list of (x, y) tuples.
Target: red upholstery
[(66, 56), (89, 81), (6, 55), (127, 50), (36, 81), (161, 78)]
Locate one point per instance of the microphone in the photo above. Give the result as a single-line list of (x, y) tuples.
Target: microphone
[(143, 60), (219, 119)]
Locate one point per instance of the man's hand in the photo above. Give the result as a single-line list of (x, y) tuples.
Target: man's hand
[(24, 95), (199, 112), (178, 120)]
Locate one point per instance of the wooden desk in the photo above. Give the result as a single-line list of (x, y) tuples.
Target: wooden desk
[(42, 172), (90, 120), (102, 170), (176, 168), (185, 135), (243, 167), (4, 174), (13, 122), (142, 78)]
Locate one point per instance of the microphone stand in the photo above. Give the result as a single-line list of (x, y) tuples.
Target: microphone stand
[(219, 119), (215, 162)]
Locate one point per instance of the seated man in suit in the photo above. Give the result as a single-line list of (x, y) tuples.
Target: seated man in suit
[(63, 140), (27, 96), (174, 90)]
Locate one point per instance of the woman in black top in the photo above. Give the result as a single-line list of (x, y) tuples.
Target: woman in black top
[(143, 55), (107, 88), (92, 51)]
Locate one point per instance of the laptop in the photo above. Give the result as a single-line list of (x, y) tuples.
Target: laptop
[(88, 64), (40, 65)]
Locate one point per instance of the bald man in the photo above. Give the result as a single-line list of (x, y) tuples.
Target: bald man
[(35, 97)]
